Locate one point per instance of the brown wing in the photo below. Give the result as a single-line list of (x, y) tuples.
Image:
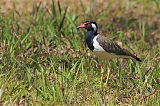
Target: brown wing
[(112, 47)]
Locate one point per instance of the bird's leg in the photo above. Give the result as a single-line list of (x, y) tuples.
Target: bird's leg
[(108, 73), (104, 80), (102, 85), (102, 74), (105, 76)]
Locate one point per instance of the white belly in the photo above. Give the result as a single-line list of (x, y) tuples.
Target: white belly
[(104, 55)]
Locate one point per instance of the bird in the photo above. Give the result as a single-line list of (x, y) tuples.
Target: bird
[(102, 47)]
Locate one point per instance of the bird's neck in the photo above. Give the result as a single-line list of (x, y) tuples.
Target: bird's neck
[(89, 38), (92, 33)]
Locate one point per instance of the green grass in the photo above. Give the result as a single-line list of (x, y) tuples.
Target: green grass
[(44, 61)]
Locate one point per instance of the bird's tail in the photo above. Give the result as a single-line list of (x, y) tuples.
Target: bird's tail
[(136, 58)]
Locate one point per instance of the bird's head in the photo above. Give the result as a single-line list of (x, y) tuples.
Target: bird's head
[(89, 26)]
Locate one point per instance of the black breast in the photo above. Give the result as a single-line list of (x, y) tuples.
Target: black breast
[(89, 39)]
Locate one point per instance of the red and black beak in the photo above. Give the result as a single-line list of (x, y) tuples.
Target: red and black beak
[(81, 26)]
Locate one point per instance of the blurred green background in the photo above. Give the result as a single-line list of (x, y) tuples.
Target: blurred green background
[(44, 60)]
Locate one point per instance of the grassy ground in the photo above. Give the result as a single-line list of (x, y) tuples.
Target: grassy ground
[(44, 60)]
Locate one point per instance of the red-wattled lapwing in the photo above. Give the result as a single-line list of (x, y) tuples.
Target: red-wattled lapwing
[(103, 47)]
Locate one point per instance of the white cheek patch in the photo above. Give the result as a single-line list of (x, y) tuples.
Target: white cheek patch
[(96, 45), (94, 27)]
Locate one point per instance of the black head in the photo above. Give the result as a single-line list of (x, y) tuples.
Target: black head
[(89, 25)]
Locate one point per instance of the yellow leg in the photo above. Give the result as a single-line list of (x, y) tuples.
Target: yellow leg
[(108, 73), (104, 81), (104, 78), (102, 86), (102, 74)]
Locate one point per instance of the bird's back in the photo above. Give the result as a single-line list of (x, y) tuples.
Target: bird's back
[(114, 49)]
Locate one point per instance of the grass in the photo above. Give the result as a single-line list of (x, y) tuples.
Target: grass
[(44, 61)]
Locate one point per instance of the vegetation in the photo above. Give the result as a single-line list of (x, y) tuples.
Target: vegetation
[(44, 60)]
